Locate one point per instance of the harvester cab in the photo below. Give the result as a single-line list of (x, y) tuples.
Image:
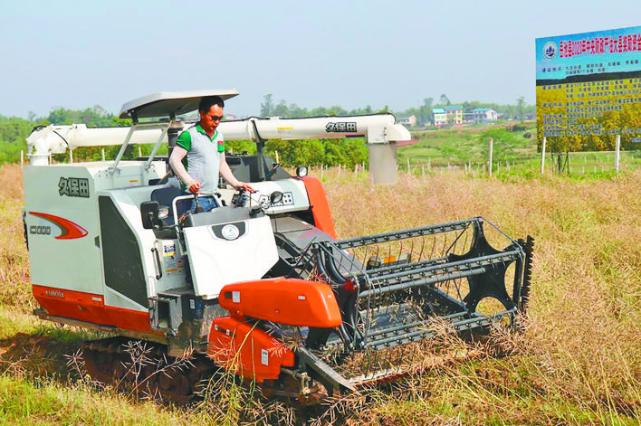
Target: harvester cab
[(260, 285)]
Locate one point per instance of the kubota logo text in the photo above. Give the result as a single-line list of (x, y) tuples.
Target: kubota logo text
[(74, 187), (341, 127), (70, 230)]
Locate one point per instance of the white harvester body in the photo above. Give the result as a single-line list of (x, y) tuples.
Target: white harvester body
[(63, 222), (76, 262)]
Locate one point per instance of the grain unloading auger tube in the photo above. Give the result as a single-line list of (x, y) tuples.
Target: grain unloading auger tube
[(394, 288)]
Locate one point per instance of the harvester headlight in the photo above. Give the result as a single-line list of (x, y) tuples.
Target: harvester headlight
[(301, 171), (276, 197)]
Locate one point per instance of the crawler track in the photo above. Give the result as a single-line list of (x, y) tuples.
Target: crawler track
[(144, 369)]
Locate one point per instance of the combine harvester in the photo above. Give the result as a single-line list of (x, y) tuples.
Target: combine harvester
[(259, 286)]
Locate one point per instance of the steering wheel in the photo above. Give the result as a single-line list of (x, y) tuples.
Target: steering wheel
[(242, 198)]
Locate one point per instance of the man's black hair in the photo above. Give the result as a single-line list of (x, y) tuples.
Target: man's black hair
[(208, 101)]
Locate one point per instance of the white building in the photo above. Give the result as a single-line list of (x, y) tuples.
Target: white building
[(482, 115), (454, 114), (439, 117), (407, 121)]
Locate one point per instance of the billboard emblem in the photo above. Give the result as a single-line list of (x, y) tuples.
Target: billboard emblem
[(549, 49)]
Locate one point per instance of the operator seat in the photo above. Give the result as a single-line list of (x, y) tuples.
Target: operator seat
[(165, 197)]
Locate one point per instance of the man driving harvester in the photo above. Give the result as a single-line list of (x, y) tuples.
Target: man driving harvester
[(204, 147)]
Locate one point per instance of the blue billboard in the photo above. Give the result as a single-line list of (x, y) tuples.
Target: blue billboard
[(588, 87), (601, 52)]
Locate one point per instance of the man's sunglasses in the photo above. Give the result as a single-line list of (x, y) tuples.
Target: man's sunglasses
[(216, 117)]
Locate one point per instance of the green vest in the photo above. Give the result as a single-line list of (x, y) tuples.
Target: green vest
[(203, 156)]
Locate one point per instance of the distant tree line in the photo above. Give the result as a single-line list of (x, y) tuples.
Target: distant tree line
[(14, 130), (268, 108), (423, 112), (95, 116)]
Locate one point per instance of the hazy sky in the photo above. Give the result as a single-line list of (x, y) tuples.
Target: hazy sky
[(350, 53)]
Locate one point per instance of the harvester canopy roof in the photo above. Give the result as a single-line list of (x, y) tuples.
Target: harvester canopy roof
[(164, 104)]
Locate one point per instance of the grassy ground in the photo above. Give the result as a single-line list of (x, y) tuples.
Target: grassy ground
[(578, 362), (465, 144), (514, 154)]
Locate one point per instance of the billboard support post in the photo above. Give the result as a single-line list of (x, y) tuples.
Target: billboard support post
[(490, 152), (545, 140), (617, 154)]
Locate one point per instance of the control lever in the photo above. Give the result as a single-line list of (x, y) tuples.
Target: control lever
[(242, 199), (197, 207)]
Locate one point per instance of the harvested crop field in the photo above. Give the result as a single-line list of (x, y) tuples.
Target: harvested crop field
[(577, 361)]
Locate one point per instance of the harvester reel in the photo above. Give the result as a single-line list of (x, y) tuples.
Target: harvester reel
[(439, 273)]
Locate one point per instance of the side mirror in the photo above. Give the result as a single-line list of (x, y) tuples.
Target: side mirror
[(149, 213), (301, 171)]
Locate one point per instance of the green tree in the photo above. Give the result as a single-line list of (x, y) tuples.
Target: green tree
[(334, 155), (281, 110), (425, 111), (13, 134), (95, 116), (267, 106), (294, 153), (520, 108)]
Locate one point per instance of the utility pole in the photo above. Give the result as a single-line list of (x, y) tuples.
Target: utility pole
[(491, 152), (543, 155), (617, 154)]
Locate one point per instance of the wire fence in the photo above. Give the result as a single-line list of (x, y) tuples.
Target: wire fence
[(577, 164), (528, 164), (531, 164)]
